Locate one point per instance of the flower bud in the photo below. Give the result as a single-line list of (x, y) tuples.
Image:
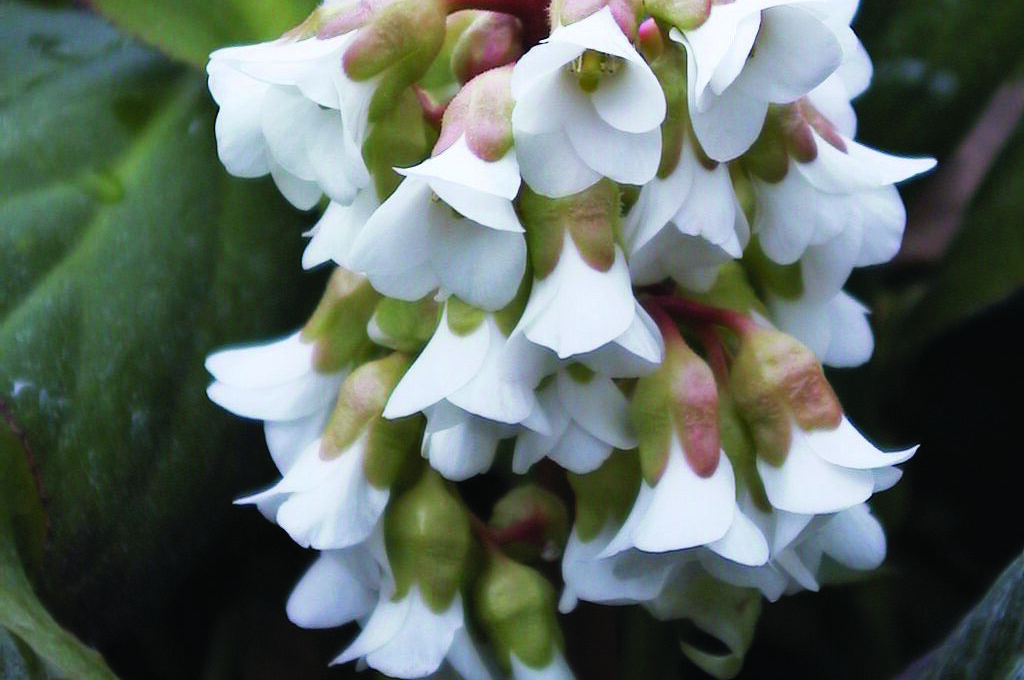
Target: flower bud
[(338, 325), (685, 15), (428, 538), (531, 522), (516, 607), (775, 381), (400, 139), (482, 111), (403, 326), (625, 12), (492, 40)]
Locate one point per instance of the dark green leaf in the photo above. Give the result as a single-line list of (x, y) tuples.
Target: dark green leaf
[(127, 255), (985, 263), (988, 643), (190, 29)]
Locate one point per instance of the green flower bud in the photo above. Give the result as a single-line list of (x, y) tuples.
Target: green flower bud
[(428, 539), (516, 608), (530, 522), (462, 318), (400, 139), (338, 326), (783, 280), (775, 381), (685, 15), (361, 400), (606, 494), (482, 111)]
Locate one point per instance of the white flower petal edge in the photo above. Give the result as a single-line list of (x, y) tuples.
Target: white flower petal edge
[(557, 669), (339, 587)]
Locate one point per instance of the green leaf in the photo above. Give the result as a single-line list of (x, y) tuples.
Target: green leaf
[(985, 263), (989, 642), (19, 662), (190, 29), (128, 255)]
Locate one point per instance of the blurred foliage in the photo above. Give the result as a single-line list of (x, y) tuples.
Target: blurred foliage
[(128, 254)]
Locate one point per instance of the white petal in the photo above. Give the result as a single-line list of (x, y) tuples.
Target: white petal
[(262, 365), (463, 450), (886, 478), (620, 156), (303, 194), (638, 351), (490, 394), (791, 214), (884, 219), (852, 341), (482, 266), (859, 167), (536, 67), (287, 439), (659, 200), (550, 165), (579, 451), (855, 539), (465, 658), (578, 309), (686, 510), (287, 401), (627, 577), (406, 639), (599, 32), (240, 142), (847, 447), (794, 53), (393, 248), (336, 231), (458, 165), (807, 484), (338, 173), (287, 117), (599, 407), (743, 543), (448, 362), (631, 100), (730, 123), (341, 586)]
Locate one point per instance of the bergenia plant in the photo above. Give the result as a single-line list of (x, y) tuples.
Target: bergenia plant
[(602, 260)]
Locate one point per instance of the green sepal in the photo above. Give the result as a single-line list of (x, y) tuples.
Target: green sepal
[(606, 494), (482, 111), (738, 445), (398, 46), (401, 139), (652, 421), (463, 319), (685, 15), (767, 158), (732, 290), (784, 280), (390, 445), (693, 406), (405, 326), (670, 69), (509, 315), (516, 608), (338, 325), (428, 539), (362, 398)]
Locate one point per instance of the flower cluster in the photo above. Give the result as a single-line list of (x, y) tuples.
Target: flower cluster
[(602, 239)]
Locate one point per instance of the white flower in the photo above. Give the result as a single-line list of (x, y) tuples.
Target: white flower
[(685, 225), (843, 204), (326, 502), (450, 224), (279, 384), (287, 109), (747, 55), (577, 309), (852, 77), (836, 330), (341, 586), (331, 238), (567, 138), (406, 638), (684, 510), (589, 417), (826, 471)]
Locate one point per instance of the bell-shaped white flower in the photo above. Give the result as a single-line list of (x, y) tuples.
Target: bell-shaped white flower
[(340, 586), (685, 225), (836, 330), (843, 202), (684, 510), (589, 418), (746, 55), (276, 383), (573, 127), (326, 501), (406, 638), (287, 109), (826, 471), (450, 225)]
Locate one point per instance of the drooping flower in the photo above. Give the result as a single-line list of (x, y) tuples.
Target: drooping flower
[(587, 107)]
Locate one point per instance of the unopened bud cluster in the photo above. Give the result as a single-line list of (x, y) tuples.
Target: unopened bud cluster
[(598, 239)]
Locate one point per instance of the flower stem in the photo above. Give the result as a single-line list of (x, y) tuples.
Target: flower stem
[(692, 310), (533, 14)]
